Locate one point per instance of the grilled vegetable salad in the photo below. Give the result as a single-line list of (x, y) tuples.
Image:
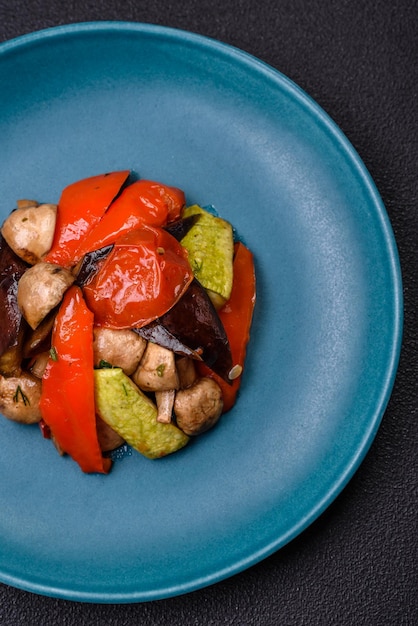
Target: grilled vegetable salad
[(125, 317)]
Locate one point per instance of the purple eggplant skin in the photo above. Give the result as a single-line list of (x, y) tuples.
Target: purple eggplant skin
[(10, 263), (39, 340), (157, 333), (10, 315), (192, 327), (90, 264), (12, 324), (181, 227)]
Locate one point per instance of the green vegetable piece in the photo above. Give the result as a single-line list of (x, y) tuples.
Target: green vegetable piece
[(210, 244), (123, 406)]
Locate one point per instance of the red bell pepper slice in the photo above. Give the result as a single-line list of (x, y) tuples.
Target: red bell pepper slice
[(236, 316), (144, 275), (67, 401), (143, 202), (81, 206)]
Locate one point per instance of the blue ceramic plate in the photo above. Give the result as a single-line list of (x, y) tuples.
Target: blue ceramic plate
[(84, 99)]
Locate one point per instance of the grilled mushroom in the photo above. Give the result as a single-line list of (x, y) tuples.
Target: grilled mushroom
[(29, 230), (121, 348), (198, 407), (19, 398), (157, 369), (40, 289)]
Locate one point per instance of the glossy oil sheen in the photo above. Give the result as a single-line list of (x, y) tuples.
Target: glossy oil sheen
[(85, 99), (12, 268)]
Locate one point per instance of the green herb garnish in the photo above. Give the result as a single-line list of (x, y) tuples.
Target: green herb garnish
[(160, 370), (20, 395), (105, 364)]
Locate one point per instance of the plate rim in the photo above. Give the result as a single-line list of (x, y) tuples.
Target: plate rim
[(178, 35)]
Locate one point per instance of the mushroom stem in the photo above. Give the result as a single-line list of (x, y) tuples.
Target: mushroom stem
[(156, 370), (165, 403)]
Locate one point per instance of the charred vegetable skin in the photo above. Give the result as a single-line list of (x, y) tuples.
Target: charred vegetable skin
[(101, 225), (12, 324)]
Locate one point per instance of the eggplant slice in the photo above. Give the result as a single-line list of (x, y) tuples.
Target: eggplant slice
[(12, 324), (90, 264), (192, 328)]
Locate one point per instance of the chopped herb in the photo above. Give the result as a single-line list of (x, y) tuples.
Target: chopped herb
[(105, 365), (53, 354), (160, 370), (197, 265), (20, 395)]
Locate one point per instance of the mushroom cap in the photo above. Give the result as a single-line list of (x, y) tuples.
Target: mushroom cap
[(40, 289), (199, 407), (29, 231), (120, 347), (19, 398)]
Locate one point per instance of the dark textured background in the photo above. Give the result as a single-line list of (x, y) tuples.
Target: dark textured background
[(358, 563)]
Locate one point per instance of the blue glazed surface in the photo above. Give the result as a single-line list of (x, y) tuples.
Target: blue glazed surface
[(232, 132)]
